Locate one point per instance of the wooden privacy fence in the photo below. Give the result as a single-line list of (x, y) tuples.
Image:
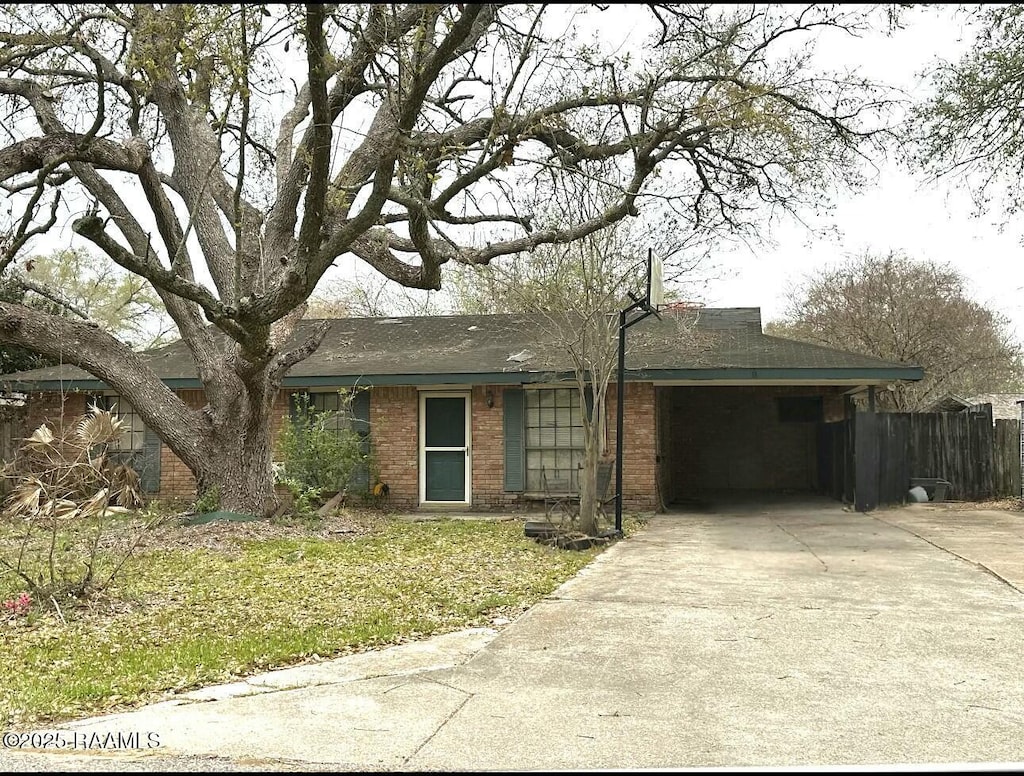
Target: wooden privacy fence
[(956, 446), (871, 458)]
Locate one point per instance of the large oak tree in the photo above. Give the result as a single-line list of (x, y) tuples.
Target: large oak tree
[(184, 149)]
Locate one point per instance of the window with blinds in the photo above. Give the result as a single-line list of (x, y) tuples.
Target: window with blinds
[(554, 436)]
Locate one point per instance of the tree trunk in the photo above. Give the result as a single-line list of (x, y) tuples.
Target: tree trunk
[(238, 469), (588, 486), (238, 450)]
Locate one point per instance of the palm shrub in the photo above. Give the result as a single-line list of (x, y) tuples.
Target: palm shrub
[(68, 489)]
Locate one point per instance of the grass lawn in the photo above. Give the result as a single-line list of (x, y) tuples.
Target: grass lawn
[(189, 611)]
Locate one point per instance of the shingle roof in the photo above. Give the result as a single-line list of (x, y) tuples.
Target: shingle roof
[(523, 347)]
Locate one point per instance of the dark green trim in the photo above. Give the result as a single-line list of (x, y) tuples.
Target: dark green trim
[(177, 383), (788, 373), (514, 432), (767, 375)]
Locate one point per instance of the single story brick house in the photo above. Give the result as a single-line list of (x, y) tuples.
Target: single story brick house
[(464, 411)]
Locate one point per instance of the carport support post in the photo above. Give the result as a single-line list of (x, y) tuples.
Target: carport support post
[(865, 461), (1021, 428)]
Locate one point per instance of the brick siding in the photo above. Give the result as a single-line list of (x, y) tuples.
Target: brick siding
[(639, 452), (394, 442), (731, 438), (394, 427)]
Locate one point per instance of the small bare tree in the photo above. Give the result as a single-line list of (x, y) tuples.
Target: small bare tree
[(577, 290)]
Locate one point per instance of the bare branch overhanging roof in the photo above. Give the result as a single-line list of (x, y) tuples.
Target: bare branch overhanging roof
[(703, 343)]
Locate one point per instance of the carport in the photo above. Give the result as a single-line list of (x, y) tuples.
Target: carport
[(738, 412), (745, 439)]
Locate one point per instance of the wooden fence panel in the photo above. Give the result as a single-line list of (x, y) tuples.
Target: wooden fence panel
[(893, 441), (837, 460), (958, 447), (1006, 459)]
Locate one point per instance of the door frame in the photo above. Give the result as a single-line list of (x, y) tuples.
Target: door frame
[(467, 395)]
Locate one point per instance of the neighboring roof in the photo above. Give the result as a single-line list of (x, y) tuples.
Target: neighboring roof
[(1005, 406), (949, 403), (702, 344)]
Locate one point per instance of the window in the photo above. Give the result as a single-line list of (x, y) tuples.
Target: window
[(800, 409), (344, 411), (554, 436), (134, 429), (339, 420)]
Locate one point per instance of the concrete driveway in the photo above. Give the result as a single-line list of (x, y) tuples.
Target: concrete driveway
[(781, 635)]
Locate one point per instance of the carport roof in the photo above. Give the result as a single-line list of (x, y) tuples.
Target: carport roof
[(684, 345)]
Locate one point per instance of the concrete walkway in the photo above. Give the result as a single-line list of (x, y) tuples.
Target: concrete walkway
[(794, 635)]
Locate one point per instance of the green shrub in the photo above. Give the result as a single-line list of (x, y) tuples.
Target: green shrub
[(320, 451), (208, 501)]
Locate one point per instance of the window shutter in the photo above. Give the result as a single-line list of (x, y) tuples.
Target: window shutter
[(361, 425), (515, 458), (588, 400), (148, 466)]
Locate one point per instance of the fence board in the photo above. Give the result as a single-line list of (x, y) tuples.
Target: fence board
[(1006, 459), (837, 460)]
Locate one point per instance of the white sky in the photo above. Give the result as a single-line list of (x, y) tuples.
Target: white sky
[(898, 212)]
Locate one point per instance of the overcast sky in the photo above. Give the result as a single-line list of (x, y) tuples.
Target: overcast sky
[(898, 212)]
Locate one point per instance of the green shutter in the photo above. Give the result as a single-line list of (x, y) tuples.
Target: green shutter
[(588, 400), (148, 466), (361, 424), (515, 457)]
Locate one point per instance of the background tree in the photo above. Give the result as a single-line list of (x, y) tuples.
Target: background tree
[(371, 295), (160, 131), (93, 288), (12, 357), (971, 128), (912, 312)]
